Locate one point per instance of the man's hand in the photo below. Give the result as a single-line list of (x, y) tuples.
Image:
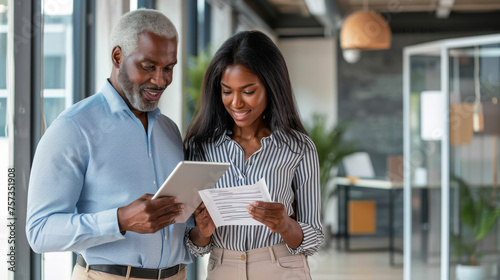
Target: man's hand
[(201, 234), (148, 216)]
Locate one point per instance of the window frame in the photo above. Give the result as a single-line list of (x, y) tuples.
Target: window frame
[(28, 63)]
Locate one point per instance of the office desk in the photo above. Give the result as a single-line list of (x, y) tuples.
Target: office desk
[(344, 185)]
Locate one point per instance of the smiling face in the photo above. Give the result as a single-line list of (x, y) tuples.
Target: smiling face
[(145, 74), (244, 96)]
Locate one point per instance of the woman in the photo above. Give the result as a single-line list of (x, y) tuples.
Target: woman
[(248, 118)]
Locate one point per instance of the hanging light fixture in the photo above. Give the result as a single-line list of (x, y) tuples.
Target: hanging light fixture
[(365, 30)]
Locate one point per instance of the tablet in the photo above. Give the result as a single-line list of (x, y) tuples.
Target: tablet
[(187, 179)]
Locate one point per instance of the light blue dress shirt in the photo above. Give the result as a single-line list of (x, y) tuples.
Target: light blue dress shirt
[(95, 157)]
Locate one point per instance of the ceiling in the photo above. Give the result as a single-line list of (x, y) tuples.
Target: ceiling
[(441, 8), (292, 18)]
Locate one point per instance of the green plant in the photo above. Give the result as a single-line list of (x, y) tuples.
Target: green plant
[(479, 214), (331, 147), (196, 67)]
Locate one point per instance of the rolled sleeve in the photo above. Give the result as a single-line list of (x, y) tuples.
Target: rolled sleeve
[(310, 242), (197, 251)]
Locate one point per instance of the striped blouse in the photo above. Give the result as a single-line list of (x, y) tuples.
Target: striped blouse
[(291, 171)]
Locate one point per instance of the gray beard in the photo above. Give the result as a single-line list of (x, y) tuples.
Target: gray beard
[(134, 97)]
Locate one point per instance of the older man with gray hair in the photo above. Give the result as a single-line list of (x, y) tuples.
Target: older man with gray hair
[(100, 161)]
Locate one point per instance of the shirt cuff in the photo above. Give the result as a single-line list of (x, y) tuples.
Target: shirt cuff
[(107, 221), (196, 250), (311, 240)]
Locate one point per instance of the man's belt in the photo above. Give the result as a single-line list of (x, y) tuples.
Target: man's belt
[(135, 272)]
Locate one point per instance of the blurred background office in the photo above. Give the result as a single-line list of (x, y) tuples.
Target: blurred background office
[(398, 218)]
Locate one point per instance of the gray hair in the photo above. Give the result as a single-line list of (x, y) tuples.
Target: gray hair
[(126, 31)]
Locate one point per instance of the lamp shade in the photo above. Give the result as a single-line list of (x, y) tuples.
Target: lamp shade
[(365, 30)]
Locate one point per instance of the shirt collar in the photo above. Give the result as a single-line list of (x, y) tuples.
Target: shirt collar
[(224, 137), (276, 137), (116, 102)]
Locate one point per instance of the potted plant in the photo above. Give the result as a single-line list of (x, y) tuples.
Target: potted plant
[(332, 148), (196, 67), (478, 213)]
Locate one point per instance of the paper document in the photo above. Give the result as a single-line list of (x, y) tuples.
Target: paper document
[(227, 206)]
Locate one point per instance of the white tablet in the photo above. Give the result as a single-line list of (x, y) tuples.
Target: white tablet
[(187, 179)]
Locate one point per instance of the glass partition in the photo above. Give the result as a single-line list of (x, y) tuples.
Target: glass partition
[(451, 92), (425, 135), (474, 129)]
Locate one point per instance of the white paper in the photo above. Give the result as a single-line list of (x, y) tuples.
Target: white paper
[(227, 206)]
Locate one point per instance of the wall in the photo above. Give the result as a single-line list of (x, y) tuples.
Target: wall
[(312, 66), (107, 13), (222, 23), (172, 101)]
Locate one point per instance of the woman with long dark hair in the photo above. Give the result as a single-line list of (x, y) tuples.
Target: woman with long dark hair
[(248, 117)]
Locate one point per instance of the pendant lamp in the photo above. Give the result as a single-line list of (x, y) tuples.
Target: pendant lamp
[(365, 30)]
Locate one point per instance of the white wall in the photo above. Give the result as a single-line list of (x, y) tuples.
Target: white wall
[(222, 23), (107, 13), (312, 64), (172, 100)]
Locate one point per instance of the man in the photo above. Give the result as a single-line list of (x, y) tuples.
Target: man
[(100, 161)]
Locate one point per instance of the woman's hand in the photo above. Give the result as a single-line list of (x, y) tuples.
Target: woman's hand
[(203, 221), (271, 214), (201, 234), (275, 217)]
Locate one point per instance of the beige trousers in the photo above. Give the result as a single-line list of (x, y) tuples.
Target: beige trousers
[(80, 273), (274, 262)]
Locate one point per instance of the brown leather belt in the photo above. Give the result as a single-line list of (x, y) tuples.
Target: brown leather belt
[(135, 272)]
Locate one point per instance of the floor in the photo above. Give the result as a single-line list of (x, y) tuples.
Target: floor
[(330, 264)]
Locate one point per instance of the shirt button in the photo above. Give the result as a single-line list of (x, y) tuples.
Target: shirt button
[(149, 154), (243, 256), (154, 182), (166, 237)]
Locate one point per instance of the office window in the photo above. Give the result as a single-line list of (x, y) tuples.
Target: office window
[(57, 58), (4, 142), (3, 77), (57, 96)]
